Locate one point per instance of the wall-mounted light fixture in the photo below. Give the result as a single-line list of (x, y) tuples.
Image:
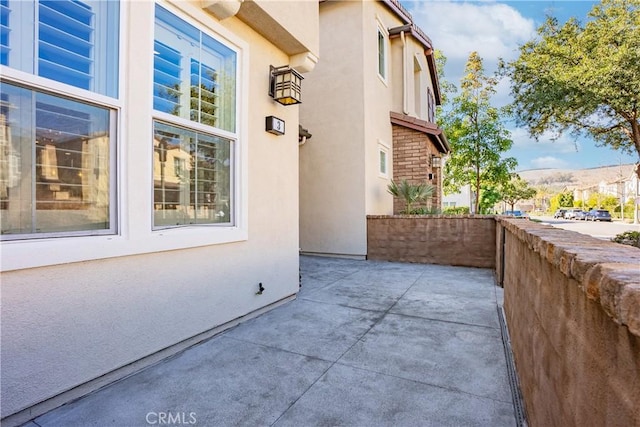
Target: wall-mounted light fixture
[(285, 85), (435, 161)]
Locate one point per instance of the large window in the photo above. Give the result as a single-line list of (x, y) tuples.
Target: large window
[(54, 165), (194, 98), (69, 41)]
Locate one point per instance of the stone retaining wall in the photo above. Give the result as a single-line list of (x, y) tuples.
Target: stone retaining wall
[(464, 240), (572, 304)]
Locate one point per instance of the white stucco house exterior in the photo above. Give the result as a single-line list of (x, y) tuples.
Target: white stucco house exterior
[(142, 202), (370, 105)]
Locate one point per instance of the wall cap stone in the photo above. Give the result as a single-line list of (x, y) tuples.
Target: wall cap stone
[(606, 272)]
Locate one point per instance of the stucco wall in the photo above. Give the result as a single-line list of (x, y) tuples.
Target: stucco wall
[(332, 168), (434, 239), (66, 324), (572, 304)]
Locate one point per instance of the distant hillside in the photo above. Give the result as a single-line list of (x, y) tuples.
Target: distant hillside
[(574, 178)]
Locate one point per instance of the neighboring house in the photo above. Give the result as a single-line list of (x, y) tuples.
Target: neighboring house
[(463, 198), (370, 104), (142, 202), (624, 186)]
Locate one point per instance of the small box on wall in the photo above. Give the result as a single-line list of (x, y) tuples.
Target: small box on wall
[(274, 125)]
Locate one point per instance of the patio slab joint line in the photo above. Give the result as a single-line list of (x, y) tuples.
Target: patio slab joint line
[(384, 313)]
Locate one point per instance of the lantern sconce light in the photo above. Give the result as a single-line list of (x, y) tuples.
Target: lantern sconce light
[(285, 85), (435, 161)]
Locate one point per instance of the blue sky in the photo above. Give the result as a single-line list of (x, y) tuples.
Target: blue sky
[(495, 29)]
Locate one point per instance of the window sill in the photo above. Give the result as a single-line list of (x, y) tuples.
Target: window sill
[(22, 254)]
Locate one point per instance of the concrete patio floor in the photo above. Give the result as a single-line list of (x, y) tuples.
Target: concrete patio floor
[(364, 344)]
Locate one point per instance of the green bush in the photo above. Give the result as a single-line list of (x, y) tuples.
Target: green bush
[(631, 238), (456, 210)]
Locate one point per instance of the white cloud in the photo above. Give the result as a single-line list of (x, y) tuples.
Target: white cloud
[(458, 28), (494, 30), (545, 143), (548, 162)]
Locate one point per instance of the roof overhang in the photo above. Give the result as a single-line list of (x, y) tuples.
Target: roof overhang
[(435, 134)]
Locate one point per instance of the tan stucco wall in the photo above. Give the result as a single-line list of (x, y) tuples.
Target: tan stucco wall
[(332, 200), (346, 108), (66, 324)]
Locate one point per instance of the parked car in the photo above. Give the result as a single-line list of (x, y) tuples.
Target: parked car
[(573, 213), (582, 215), (516, 214), (598, 215), (559, 213)]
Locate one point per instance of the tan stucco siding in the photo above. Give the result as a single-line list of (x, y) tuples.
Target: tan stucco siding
[(332, 197), (66, 324)]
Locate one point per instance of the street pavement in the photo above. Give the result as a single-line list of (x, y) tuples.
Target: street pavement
[(599, 229)]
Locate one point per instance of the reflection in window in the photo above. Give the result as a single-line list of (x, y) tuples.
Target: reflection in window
[(194, 74), (192, 177), (69, 41), (54, 164)]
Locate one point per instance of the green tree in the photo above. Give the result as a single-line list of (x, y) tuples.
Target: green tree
[(489, 196), (476, 135), (583, 79), (516, 189), (410, 193)]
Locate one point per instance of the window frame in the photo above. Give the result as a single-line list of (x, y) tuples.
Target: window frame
[(238, 208), (382, 56), (383, 149)]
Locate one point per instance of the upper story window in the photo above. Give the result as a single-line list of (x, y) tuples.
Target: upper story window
[(194, 97), (382, 54), (69, 41), (194, 75)]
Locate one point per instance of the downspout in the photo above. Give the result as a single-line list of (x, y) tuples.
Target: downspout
[(405, 84)]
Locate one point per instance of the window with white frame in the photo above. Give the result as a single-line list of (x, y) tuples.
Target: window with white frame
[(57, 147), (194, 99), (383, 159), (382, 54)]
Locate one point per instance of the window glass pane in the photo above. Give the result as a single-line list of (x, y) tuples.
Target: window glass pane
[(54, 164), (194, 74), (5, 31), (76, 42), (383, 162), (381, 65), (192, 177)]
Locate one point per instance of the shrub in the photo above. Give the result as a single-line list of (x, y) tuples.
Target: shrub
[(631, 238), (456, 210)]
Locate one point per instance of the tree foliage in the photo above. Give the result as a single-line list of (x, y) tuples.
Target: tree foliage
[(476, 135), (583, 79), (515, 190)]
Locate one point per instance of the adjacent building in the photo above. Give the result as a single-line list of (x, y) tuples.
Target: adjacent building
[(370, 105), (142, 201)]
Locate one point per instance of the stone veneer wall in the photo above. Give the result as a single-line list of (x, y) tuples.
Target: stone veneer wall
[(466, 240), (412, 151), (572, 305)]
